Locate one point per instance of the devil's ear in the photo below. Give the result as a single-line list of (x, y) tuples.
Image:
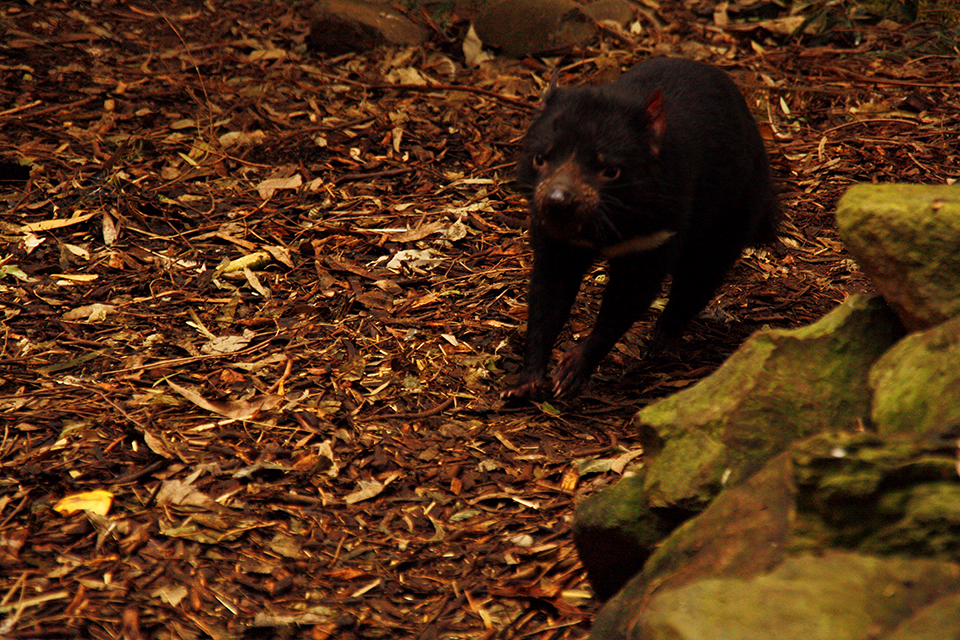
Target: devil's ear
[(553, 89), (554, 79), (655, 121)]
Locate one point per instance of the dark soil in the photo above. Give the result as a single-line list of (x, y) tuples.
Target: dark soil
[(311, 443)]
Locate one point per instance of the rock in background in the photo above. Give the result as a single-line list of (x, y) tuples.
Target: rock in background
[(512, 27), (521, 27), (537, 27), (344, 26)]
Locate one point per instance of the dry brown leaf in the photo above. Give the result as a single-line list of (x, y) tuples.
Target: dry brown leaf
[(269, 187), (235, 409), (158, 445)]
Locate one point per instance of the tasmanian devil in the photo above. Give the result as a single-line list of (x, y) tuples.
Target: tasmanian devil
[(661, 172)]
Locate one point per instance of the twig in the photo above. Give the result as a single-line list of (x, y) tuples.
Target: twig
[(41, 112), (440, 408)]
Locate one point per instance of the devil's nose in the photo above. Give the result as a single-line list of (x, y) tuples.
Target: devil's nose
[(558, 198)]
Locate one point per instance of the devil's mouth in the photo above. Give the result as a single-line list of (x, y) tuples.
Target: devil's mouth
[(565, 229)]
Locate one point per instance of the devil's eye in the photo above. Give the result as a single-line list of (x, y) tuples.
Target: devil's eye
[(611, 173), (539, 161)]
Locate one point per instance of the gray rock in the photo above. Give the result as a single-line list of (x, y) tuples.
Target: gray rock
[(614, 531), (905, 238), (838, 513), (525, 27), (834, 596), (876, 495), (344, 26), (931, 622), (780, 386), (916, 384)]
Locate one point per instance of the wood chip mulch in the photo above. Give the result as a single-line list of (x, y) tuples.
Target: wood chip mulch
[(257, 307)]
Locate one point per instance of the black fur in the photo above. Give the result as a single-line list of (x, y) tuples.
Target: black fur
[(662, 171)]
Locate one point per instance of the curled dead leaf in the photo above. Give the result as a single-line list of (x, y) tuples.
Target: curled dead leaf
[(98, 501)]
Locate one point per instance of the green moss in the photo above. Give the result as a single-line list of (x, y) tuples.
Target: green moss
[(917, 384), (888, 495)]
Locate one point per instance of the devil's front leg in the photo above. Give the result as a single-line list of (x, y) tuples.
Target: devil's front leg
[(558, 269), (633, 284)]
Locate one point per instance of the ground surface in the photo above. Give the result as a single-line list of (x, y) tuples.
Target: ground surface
[(317, 440)]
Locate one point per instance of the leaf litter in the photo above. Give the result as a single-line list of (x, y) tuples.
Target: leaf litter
[(258, 305)]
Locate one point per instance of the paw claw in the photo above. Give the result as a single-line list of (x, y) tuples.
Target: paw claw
[(570, 375), (524, 389)]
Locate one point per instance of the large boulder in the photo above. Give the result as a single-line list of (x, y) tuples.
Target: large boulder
[(905, 238), (615, 531), (780, 386), (841, 536), (832, 596)]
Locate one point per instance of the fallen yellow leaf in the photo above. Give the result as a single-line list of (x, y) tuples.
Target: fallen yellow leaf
[(98, 501)]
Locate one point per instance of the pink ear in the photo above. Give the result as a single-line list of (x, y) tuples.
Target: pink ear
[(656, 122)]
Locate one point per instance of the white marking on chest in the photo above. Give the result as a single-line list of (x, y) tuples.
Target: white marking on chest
[(638, 244)]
